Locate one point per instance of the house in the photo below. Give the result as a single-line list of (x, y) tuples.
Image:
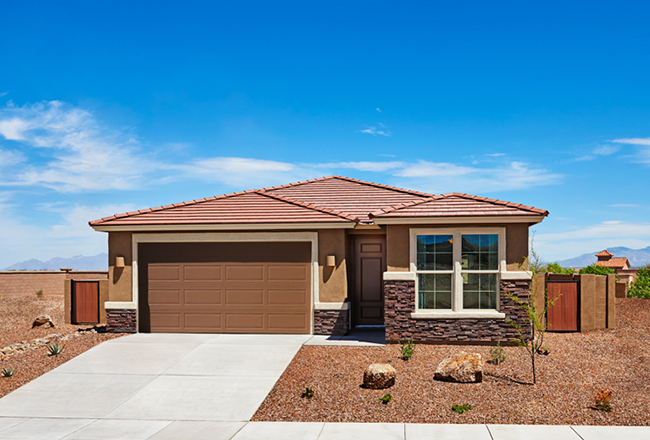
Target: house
[(621, 266), (321, 256)]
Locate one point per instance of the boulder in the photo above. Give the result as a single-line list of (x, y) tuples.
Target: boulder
[(379, 376), (42, 320), (463, 367)]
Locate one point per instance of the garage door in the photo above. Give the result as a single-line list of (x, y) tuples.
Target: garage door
[(225, 287)]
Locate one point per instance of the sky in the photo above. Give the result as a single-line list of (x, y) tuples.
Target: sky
[(107, 107)]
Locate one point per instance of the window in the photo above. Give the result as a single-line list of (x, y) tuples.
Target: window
[(457, 269)]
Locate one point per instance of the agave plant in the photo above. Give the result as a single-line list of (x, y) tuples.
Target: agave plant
[(55, 349), (8, 372)]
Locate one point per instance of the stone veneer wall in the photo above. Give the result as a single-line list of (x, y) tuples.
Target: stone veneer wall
[(121, 321), (331, 322), (399, 303)]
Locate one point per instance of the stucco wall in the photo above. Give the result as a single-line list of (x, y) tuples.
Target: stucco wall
[(119, 279), (397, 244), (333, 284), (17, 283)]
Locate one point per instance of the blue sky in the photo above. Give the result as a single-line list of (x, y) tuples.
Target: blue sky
[(113, 106)]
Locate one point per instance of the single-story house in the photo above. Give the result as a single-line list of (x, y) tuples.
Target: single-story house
[(321, 256)]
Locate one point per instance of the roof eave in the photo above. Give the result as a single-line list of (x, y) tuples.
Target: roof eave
[(530, 219), (224, 227)]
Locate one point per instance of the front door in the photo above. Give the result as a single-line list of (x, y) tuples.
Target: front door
[(370, 264)]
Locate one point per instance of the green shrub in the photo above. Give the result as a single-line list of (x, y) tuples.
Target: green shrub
[(556, 268), (640, 288), (461, 408), (8, 372), (39, 292), (498, 354), (386, 398), (596, 270), (407, 349), (308, 393)]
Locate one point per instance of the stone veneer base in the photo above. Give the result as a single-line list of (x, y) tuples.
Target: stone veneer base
[(399, 303), (120, 321), (331, 322)]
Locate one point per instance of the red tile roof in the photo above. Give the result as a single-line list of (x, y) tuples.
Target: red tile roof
[(614, 263), (458, 205), (333, 199), (604, 253)]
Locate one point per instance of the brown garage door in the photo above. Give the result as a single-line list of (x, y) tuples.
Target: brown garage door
[(225, 287)]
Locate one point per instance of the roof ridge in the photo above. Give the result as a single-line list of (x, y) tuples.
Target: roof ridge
[(349, 179), (402, 206), (307, 205), (497, 202), (172, 206)]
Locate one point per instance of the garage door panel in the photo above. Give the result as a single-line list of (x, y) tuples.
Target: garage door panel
[(295, 272), (202, 272), (245, 273), (168, 320), (248, 297), (226, 288), (287, 297), (245, 321), (286, 321), (167, 272), (166, 297), (203, 321), (202, 297)]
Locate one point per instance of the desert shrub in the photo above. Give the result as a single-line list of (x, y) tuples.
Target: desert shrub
[(497, 354), (461, 408), (602, 400), (556, 268), (308, 393), (386, 398), (596, 270), (640, 288), (407, 349)]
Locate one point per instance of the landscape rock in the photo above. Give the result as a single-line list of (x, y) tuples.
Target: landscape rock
[(42, 320), (463, 367), (379, 376)]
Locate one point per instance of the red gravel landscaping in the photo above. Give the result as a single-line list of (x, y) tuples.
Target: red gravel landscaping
[(16, 317), (579, 365)]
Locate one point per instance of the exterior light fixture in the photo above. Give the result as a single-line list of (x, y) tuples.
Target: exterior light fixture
[(119, 261), (331, 260)]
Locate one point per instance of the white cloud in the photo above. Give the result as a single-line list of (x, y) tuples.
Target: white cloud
[(373, 131), (625, 205), (10, 158), (633, 141), (3, 94), (606, 150), (495, 154), (81, 155), (378, 109), (377, 167)]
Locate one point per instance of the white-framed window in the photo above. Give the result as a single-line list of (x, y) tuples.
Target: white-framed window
[(457, 269)]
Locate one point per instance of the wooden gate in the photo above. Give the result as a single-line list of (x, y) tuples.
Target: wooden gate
[(85, 302), (562, 315)]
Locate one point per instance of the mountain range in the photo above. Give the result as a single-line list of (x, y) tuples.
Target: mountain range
[(78, 262), (637, 257)]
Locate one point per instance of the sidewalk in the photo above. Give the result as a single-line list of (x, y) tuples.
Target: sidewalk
[(111, 429)]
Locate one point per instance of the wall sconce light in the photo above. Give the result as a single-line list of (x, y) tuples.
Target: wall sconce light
[(119, 261), (331, 260)]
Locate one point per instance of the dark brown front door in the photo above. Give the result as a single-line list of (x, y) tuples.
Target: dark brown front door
[(85, 302), (370, 264)]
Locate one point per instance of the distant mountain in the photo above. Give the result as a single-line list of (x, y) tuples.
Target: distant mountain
[(637, 257), (79, 262)]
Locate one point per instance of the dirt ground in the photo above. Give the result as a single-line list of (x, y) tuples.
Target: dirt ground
[(579, 365), (16, 316)]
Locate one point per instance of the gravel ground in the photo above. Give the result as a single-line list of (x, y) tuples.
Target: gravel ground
[(16, 317), (578, 366)]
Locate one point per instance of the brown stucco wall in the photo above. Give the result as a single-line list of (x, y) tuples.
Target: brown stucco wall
[(333, 283), (120, 287), (17, 283), (397, 244), (587, 303), (611, 301)]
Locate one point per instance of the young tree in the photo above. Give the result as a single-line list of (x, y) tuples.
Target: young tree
[(531, 337), (596, 270), (557, 268)]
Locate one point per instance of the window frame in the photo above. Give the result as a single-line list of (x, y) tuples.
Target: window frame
[(457, 309)]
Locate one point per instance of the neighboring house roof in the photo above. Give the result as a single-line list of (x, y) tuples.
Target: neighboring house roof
[(615, 263), (604, 253), (332, 200)]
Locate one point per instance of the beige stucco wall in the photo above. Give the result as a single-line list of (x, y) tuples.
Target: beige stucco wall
[(333, 283), (119, 279), (397, 244)]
